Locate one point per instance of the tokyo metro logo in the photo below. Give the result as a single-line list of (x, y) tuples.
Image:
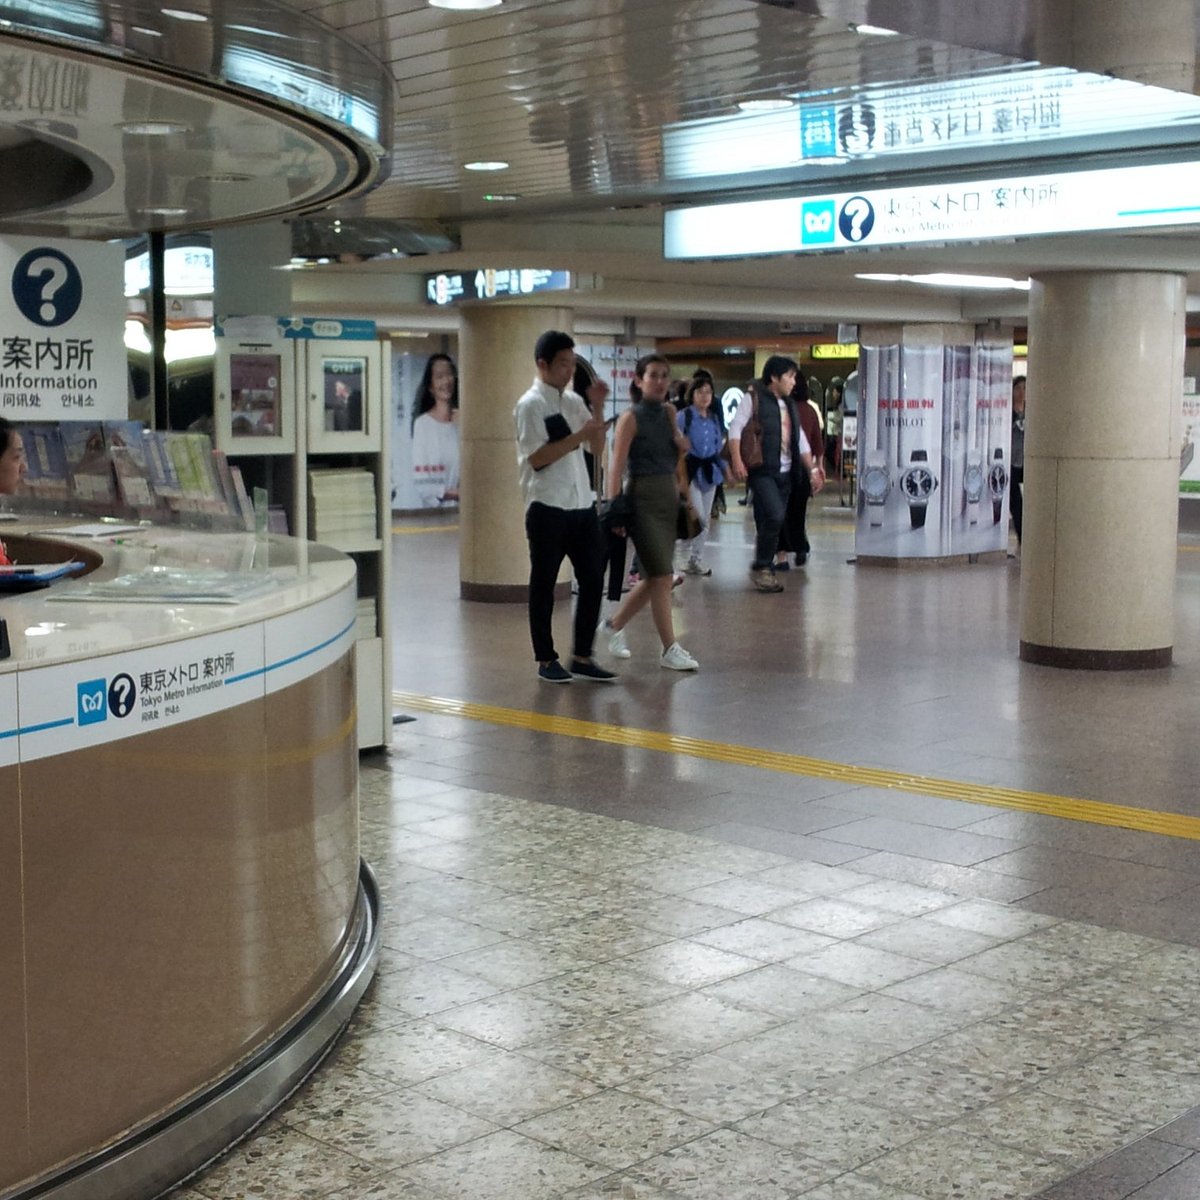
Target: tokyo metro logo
[(816, 223), (96, 698)]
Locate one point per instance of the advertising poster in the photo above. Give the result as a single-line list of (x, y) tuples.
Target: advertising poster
[(343, 381), (933, 450), (254, 396), (425, 433), (1189, 461)]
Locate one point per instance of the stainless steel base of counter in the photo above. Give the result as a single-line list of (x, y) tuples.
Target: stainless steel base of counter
[(159, 1157)]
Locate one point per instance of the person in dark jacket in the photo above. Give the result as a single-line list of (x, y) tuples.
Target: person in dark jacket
[(767, 417)]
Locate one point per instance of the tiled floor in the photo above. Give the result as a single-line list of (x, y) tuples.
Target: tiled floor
[(615, 972)]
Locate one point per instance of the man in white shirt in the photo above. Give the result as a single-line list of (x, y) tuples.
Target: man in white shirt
[(553, 425)]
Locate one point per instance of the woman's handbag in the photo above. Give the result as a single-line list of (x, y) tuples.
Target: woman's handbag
[(751, 441), (616, 513), (687, 523)]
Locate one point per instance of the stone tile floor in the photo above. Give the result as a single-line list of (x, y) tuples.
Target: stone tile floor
[(578, 1006)]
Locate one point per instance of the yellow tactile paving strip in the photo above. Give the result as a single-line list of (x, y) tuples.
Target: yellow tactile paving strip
[(1070, 808)]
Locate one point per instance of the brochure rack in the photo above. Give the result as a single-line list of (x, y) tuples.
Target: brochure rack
[(323, 456)]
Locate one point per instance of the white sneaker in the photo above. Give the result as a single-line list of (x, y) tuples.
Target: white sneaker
[(676, 658), (617, 645)]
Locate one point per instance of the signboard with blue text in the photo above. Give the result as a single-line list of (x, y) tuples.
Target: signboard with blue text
[(62, 317)]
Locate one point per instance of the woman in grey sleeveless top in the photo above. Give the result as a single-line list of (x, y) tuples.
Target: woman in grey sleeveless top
[(648, 443)]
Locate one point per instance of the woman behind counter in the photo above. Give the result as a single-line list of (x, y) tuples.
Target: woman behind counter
[(435, 452), (12, 469)]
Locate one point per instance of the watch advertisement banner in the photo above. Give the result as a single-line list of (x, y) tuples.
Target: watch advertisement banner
[(934, 434), (1189, 461)]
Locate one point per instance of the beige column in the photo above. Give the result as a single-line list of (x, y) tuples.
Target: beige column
[(495, 362), (1149, 42), (1102, 435)]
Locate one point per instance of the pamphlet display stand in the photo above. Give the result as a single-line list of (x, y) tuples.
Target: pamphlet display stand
[(322, 456)]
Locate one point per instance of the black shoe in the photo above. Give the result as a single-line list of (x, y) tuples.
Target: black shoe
[(553, 672), (589, 670), (801, 559), (782, 566)]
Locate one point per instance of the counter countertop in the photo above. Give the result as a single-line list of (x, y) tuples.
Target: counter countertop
[(55, 624)]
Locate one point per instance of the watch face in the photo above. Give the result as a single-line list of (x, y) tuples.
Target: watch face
[(998, 480), (875, 484), (973, 482), (918, 483)]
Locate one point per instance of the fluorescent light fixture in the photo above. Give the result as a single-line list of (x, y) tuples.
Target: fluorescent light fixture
[(152, 128), (484, 164), (142, 29), (766, 105), (465, 5), (164, 210), (874, 30), (183, 14), (949, 279)]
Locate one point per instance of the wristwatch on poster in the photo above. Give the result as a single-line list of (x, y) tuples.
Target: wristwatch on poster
[(973, 481), (917, 484), (876, 483), (997, 483)]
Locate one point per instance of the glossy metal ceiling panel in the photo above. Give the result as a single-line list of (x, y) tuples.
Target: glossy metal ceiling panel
[(576, 96), (259, 111)]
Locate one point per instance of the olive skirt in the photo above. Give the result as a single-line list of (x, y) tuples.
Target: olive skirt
[(655, 511)]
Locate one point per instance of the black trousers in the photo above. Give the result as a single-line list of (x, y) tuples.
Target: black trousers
[(1016, 502), (555, 534), (770, 490), (793, 537)]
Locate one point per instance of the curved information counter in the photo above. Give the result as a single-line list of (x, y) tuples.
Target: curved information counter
[(181, 903)]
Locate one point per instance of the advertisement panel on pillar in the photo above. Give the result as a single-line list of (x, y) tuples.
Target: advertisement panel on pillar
[(998, 395), (900, 514), (1189, 460), (425, 432)]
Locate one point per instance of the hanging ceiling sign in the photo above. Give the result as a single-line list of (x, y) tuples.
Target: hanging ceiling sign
[(486, 283), (1114, 198), (1015, 107), (62, 317)]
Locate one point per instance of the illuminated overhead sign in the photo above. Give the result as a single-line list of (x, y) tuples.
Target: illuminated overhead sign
[(1022, 106), (955, 210), (449, 287), (833, 350)]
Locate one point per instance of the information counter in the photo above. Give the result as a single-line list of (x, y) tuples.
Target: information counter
[(184, 922)]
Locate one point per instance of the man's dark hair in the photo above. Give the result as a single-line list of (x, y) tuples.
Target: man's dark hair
[(776, 367), (552, 342)]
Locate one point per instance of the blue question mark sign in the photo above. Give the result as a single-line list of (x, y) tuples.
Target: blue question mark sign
[(47, 286)]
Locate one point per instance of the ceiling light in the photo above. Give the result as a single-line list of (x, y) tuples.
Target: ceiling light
[(946, 279), (774, 105), (464, 4), (501, 197), (164, 211), (873, 30), (146, 32), (486, 165), (152, 128), (183, 14)]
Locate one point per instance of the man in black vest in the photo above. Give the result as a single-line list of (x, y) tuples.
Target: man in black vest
[(784, 455)]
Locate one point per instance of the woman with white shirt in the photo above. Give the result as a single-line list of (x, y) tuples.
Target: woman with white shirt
[(435, 451)]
